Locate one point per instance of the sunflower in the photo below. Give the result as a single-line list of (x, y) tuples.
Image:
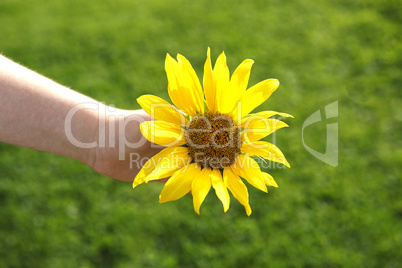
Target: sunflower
[(211, 138)]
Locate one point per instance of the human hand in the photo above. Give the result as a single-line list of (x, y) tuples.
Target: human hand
[(40, 114), (126, 150)]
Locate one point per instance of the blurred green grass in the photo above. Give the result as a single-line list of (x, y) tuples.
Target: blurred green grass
[(56, 212)]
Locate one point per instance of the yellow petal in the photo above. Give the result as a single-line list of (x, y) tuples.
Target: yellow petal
[(193, 83), (150, 165), (248, 169), (221, 78), (200, 188), (174, 75), (237, 187), (179, 184), (262, 115), (256, 129), (170, 164), (160, 109), (220, 188), (257, 94), (237, 86), (269, 180), (180, 92), (163, 133), (272, 113), (265, 149), (209, 84)]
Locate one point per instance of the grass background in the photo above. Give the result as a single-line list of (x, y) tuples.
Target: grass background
[(56, 212)]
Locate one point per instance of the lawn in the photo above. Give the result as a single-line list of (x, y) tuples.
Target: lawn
[(56, 212)]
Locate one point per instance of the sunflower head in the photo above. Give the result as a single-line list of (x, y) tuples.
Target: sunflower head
[(213, 140), (212, 145)]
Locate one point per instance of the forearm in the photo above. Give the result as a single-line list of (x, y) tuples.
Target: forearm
[(33, 111)]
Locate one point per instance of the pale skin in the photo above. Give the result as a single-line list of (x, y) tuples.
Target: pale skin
[(33, 112)]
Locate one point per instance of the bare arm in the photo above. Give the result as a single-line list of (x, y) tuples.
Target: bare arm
[(37, 113)]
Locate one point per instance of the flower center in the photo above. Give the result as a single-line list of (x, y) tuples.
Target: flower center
[(213, 140)]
